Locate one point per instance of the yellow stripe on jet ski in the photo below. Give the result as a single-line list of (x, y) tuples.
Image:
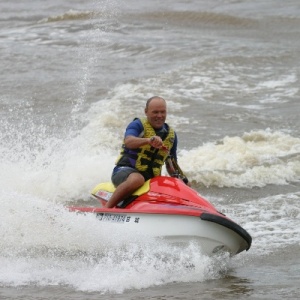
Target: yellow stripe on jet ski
[(109, 187)]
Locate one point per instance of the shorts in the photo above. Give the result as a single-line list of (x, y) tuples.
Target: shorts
[(120, 174)]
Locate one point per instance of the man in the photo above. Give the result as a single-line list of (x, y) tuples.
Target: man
[(147, 145)]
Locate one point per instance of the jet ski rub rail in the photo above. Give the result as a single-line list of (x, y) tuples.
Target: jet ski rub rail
[(228, 224)]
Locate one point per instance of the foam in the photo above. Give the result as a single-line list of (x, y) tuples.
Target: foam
[(257, 158)]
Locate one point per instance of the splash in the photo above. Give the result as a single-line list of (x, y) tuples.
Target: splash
[(100, 22), (49, 161), (45, 244), (51, 158)]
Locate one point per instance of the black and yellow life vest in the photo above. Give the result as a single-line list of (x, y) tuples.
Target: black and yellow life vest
[(146, 159)]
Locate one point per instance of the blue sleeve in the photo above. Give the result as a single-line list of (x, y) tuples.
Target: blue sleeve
[(134, 128)]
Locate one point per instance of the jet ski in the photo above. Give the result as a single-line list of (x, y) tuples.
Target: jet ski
[(165, 207)]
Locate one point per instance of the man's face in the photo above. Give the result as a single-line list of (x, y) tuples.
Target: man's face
[(156, 113)]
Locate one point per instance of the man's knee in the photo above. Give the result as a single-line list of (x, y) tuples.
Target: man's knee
[(122, 175), (136, 178)]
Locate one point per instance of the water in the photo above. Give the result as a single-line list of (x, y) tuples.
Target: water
[(74, 74)]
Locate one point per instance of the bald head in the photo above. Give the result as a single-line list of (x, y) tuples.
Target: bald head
[(156, 111), (154, 98)]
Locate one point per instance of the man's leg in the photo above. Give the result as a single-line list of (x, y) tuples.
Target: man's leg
[(125, 189)]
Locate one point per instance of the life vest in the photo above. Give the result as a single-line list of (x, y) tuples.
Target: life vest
[(148, 160)]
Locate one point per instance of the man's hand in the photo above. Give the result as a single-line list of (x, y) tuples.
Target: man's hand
[(156, 141)]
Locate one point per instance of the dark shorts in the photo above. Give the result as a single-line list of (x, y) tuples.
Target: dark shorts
[(121, 174)]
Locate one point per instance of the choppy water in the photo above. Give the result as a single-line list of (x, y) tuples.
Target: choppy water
[(73, 74)]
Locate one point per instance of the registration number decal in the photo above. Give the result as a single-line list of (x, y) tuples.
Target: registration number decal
[(117, 218)]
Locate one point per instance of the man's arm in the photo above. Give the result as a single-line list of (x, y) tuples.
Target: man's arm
[(172, 166), (174, 170), (133, 142)]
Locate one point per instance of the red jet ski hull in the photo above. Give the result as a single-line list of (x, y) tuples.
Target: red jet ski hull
[(167, 208)]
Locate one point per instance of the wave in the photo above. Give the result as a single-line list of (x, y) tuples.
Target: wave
[(256, 159), (192, 18), (70, 15)]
